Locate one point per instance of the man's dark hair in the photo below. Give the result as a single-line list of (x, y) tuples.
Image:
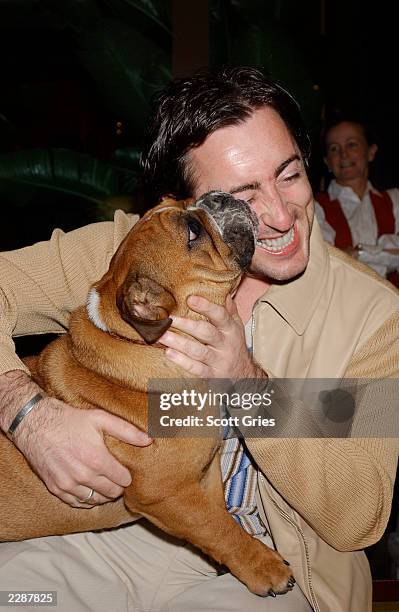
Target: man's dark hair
[(190, 109)]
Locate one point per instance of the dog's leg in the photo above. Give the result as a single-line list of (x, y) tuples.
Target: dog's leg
[(212, 481), (197, 517)]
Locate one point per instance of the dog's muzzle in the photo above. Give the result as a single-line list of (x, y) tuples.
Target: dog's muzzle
[(235, 221)]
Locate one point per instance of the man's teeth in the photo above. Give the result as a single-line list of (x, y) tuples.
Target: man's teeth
[(277, 244)]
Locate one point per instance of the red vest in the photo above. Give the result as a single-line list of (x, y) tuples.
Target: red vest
[(383, 210)]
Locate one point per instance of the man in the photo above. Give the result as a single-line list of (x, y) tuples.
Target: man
[(305, 311)]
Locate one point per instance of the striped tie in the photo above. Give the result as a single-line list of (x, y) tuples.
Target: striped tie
[(239, 480), (240, 476)]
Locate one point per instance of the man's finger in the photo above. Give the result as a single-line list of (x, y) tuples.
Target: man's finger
[(196, 368), (107, 487), (231, 306), (72, 500), (201, 330), (191, 348), (122, 430), (115, 471), (216, 314)]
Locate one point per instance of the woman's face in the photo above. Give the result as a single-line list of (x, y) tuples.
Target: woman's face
[(348, 153)]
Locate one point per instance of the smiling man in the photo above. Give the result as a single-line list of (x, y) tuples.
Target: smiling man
[(271, 178), (305, 310), (258, 160)]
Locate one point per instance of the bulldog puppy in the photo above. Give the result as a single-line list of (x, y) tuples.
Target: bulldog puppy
[(106, 360)]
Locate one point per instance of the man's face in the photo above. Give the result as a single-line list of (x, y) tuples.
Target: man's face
[(259, 161), (347, 152)]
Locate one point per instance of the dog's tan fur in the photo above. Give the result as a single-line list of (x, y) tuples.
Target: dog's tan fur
[(176, 481)]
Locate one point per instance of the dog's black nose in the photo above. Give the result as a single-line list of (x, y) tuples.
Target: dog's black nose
[(237, 223)]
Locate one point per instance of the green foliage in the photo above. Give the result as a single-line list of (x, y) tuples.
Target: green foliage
[(248, 34), (61, 170), (42, 189), (126, 51)]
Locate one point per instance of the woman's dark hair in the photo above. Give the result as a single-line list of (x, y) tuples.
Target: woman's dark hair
[(189, 109), (339, 118)]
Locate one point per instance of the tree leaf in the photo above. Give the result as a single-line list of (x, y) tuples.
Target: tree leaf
[(65, 171)]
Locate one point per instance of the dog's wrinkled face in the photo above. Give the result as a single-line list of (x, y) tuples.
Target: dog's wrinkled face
[(235, 221), (177, 249)]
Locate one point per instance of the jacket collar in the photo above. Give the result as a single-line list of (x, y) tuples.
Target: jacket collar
[(297, 300)]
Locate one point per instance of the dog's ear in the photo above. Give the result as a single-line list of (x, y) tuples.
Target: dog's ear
[(145, 305)]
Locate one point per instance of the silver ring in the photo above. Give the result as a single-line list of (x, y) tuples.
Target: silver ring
[(86, 499)]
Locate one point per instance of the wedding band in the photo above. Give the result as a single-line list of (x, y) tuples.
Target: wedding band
[(86, 499)]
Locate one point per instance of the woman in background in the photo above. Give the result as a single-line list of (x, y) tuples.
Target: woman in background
[(353, 214)]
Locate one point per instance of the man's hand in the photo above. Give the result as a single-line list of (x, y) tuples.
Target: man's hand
[(65, 447), (216, 348)]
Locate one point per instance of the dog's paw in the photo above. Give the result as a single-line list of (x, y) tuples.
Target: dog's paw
[(269, 574)]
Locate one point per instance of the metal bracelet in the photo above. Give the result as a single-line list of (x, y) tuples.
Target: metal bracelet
[(26, 408)]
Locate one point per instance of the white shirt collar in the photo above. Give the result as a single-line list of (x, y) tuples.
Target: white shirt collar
[(337, 191)]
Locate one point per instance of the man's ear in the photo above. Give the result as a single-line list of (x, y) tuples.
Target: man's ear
[(145, 305), (372, 152)]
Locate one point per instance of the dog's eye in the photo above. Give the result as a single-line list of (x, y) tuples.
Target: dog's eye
[(194, 231), (192, 235)]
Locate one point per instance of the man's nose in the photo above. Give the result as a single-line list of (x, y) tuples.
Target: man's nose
[(273, 212)]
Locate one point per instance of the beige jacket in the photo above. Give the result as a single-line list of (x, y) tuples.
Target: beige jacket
[(326, 497), (322, 498)]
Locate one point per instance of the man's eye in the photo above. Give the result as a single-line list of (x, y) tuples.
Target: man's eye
[(291, 177)]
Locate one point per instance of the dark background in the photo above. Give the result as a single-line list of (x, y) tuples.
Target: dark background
[(77, 75)]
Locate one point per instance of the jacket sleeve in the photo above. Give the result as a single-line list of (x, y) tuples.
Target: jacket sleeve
[(41, 284), (343, 487)]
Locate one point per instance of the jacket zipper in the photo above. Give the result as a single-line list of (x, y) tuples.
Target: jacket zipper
[(305, 545), (284, 514)]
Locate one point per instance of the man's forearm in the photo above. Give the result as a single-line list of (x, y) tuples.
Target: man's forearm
[(16, 388)]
